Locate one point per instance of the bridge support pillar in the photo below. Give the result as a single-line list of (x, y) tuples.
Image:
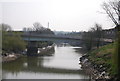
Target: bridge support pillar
[(32, 48), (32, 51)]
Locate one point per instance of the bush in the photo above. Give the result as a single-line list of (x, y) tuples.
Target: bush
[(12, 43)]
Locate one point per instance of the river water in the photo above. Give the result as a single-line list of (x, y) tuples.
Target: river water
[(62, 64)]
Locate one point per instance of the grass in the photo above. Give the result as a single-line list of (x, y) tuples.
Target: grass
[(104, 56)]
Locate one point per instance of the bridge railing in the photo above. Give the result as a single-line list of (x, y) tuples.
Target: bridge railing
[(50, 35), (27, 35)]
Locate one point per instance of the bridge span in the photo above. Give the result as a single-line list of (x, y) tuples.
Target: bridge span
[(34, 38), (53, 38), (57, 38)]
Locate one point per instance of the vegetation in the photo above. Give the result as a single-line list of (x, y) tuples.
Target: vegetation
[(38, 29), (104, 56), (112, 8), (109, 55), (11, 41), (92, 37)]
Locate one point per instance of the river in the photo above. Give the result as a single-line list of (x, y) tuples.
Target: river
[(62, 64)]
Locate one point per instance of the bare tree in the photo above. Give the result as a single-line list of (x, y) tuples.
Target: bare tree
[(38, 26), (88, 39), (112, 8), (5, 27), (92, 38), (24, 29), (98, 34)]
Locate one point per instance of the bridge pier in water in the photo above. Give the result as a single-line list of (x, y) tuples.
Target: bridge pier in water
[(32, 51), (32, 48)]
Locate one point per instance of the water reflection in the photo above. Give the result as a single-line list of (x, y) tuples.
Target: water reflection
[(63, 64)]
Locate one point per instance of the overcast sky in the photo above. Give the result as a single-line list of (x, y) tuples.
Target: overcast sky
[(65, 15)]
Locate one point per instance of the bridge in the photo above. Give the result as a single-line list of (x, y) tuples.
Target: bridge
[(33, 38), (53, 38), (57, 39)]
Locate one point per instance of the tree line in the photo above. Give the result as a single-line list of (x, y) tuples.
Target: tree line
[(37, 28), (11, 41), (93, 36), (112, 9)]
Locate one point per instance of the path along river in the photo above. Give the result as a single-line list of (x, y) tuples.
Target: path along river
[(63, 64)]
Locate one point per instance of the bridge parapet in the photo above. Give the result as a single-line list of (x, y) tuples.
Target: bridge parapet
[(51, 36), (54, 38)]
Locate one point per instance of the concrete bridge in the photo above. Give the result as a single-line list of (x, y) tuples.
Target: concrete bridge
[(33, 38), (52, 38), (58, 39)]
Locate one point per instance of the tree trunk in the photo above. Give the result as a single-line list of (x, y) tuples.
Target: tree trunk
[(118, 50)]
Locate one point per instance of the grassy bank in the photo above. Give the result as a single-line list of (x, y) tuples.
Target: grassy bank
[(104, 58)]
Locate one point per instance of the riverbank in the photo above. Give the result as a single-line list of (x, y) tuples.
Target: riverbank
[(46, 51), (98, 63), (10, 57), (92, 70)]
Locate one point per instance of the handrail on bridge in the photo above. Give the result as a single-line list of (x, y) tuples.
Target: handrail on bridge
[(62, 36), (51, 35)]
